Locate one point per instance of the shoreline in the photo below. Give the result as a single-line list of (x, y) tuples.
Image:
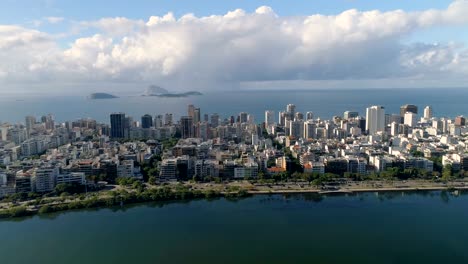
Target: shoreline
[(363, 190), (102, 200)]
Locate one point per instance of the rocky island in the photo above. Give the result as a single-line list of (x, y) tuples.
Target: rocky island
[(154, 90), (95, 96)]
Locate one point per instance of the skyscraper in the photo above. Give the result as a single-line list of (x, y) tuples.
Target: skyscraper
[(30, 122), (196, 115), (191, 111), (214, 120), (203, 130), (428, 112), (127, 125), (186, 127), (146, 121), (291, 109), (393, 118), (296, 129), (394, 129), (350, 114), (48, 121), (269, 118), (243, 117), (250, 119), (117, 125), (168, 120), (410, 119), (408, 108), (375, 119), (310, 130), (158, 120), (309, 116), (460, 121), (299, 116), (282, 118)]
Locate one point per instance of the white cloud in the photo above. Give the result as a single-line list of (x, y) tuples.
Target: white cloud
[(240, 47), (54, 20), (118, 26)]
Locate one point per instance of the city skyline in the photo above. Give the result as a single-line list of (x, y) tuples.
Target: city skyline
[(376, 120), (225, 46), (385, 141), (157, 120)]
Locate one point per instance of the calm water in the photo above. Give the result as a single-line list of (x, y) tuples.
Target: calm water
[(388, 228), (324, 103)]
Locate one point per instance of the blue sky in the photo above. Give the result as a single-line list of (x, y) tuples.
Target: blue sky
[(26, 12), (53, 42), (14, 11)]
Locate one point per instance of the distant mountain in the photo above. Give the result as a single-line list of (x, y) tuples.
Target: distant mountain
[(154, 90), (101, 96)]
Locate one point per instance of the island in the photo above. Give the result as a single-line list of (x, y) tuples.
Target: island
[(154, 90), (97, 96), (186, 94), (157, 91)]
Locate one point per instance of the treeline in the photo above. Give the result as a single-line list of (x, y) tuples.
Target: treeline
[(312, 178), (61, 189)]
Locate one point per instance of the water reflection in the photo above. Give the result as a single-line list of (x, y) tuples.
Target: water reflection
[(288, 198)]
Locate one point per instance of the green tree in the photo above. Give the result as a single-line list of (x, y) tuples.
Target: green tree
[(152, 180), (447, 172), (18, 211), (45, 209)]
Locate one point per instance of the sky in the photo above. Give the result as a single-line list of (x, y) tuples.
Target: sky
[(69, 46)]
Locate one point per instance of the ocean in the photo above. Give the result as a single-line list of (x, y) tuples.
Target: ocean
[(324, 103)]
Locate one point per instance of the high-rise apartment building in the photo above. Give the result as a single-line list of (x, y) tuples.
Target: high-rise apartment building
[(117, 125), (146, 121), (48, 122), (196, 115), (158, 121), (408, 108), (394, 128), (410, 119), (168, 120), (191, 111), (298, 116), (428, 112), (350, 114), (186, 126), (296, 129), (243, 117), (375, 119), (291, 109), (30, 122), (310, 130), (214, 120), (269, 118), (460, 121), (282, 118)]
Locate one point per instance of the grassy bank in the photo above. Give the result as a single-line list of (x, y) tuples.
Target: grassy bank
[(140, 193), (114, 198)]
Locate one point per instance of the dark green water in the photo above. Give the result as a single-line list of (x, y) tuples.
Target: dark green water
[(388, 228)]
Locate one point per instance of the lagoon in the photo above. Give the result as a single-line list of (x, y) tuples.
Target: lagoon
[(394, 227)]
